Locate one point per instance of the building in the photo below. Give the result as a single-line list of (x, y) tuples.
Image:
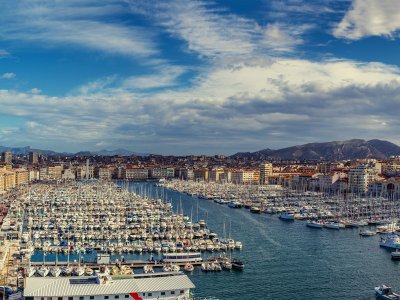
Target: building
[(136, 173), (265, 172), (54, 172), (33, 158), (186, 174), (215, 174), (7, 157), (200, 174), (165, 286), (159, 173), (21, 176), (7, 180), (245, 176), (104, 172), (359, 178), (68, 174)]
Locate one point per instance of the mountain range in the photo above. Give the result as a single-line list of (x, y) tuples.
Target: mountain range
[(27, 149), (336, 150)]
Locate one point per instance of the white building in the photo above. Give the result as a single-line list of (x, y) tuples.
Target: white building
[(162, 286)]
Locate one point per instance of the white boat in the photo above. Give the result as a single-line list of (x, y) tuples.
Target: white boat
[(55, 271), (391, 241), (385, 292), (227, 265), (332, 225), (366, 232), (182, 257), (30, 271), (287, 215), (189, 267), (43, 271), (238, 245), (148, 269), (315, 224)]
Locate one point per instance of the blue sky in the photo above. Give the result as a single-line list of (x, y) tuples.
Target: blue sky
[(197, 77)]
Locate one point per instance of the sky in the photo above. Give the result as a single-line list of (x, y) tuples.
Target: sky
[(197, 77)]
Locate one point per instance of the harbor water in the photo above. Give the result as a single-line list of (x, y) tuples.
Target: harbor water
[(283, 259)]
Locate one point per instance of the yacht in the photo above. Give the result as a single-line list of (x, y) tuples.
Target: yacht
[(55, 271), (391, 241), (315, 224), (287, 215), (43, 271), (237, 264), (385, 292)]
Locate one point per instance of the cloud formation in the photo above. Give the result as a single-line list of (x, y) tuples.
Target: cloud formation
[(8, 76), (239, 107), (370, 18), (84, 24), (233, 83)]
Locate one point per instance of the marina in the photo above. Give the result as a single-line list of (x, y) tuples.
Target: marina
[(265, 254)]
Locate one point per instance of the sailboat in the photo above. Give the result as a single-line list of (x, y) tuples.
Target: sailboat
[(55, 271), (43, 270)]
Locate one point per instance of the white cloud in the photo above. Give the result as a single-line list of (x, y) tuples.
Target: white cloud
[(77, 23), (8, 76), (226, 108), (216, 33), (166, 77), (370, 18), (205, 31), (283, 37)]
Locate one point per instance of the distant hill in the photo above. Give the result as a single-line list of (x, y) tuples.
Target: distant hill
[(336, 150), (27, 149)]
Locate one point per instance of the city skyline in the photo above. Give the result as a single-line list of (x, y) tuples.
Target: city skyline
[(200, 77)]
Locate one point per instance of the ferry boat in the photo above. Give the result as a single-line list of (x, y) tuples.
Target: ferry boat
[(385, 292), (167, 286), (391, 241), (182, 257)]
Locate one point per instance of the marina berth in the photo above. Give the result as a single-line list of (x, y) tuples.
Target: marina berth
[(166, 286)]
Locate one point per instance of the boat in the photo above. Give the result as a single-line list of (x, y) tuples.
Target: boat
[(43, 271), (30, 271), (255, 210), (237, 264), (367, 232), (148, 269), (182, 257), (315, 224), (227, 265), (396, 255), (286, 215), (55, 271), (391, 241), (189, 267), (235, 205), (385, 292), (332, 225), (89, 271)]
